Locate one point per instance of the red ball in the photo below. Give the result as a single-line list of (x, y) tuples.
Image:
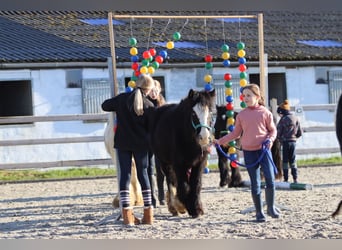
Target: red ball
[(208, 58), (152, 51), (230, 106), (233, 164), (242, 67), (137, 72), (135, 66), (146, 54), (227, 76), (159, 59)]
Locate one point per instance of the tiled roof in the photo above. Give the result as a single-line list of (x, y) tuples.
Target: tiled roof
[(62, 36)]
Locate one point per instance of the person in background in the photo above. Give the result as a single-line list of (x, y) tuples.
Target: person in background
[(130, 140), (158, 100), (288, 131), (257, 130)]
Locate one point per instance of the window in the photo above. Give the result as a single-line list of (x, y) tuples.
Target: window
[(94, 92), (335, 85), (16, 98)]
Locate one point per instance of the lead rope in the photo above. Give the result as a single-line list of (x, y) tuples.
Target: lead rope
[(265, 150)]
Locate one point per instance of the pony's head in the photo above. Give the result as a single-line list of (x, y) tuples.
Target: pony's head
[(203, 103)]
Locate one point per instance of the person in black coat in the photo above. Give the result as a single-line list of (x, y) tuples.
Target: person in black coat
[(131, 140)]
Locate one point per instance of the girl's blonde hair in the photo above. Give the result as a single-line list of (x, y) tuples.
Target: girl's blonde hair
[(256, 91), (144, 84)]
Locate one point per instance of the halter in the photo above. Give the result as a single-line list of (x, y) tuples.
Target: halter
[(200, 125)]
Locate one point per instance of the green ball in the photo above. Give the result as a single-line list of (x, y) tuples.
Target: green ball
[(243, 75), (240, 45), (132, 41), (232, 143), (208, 65), (243, 105), (176, 36), (230, 113), (228, 84), (225, 48)]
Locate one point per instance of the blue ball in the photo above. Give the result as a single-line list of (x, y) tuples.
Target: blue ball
[(226, 63), (208, 87), (242, 60), (206, 170)]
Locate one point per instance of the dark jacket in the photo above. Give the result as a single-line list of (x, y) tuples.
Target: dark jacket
[(288, 128), (131, 133)]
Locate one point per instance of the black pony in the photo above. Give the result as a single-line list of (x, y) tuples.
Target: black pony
[(235, 179), (180, 136)]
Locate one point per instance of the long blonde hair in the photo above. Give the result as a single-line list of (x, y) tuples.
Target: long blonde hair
[(144, 85), (256, 91)]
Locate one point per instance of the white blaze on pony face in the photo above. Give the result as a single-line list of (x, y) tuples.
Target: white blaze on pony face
[(202, 113)]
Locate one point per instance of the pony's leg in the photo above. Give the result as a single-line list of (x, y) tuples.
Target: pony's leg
[(193, 202), (223, 167), (171, 189), (236, 180)]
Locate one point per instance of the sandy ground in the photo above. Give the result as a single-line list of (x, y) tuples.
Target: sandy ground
[(72, 210)]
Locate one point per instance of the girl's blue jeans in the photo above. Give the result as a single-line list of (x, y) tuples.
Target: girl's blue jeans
[(266, 165)]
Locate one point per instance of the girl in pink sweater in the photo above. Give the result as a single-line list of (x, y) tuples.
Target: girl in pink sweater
[(256, 127)]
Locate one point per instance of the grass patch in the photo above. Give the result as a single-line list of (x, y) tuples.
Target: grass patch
[(84, 172)]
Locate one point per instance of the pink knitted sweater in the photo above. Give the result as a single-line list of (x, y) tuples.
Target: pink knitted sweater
[(254, 125)]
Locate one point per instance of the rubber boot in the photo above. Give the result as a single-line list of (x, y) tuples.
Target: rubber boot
[(271, 210), (128, 217), (260, 216), (148, 216), (286, 171), (294, 174)]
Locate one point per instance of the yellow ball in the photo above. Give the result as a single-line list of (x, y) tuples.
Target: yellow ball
[(143, 70), (131, 84), (208, 78), (230, 121), (243, 82), (241, 53), (232, 150), (170, 45), (228, 91), (133, 51), (151, 70), (225, 55)]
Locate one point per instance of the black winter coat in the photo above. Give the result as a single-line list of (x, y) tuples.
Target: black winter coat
[(131, 133)]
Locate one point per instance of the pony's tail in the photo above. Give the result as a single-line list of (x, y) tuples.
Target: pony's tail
[(338, 122)]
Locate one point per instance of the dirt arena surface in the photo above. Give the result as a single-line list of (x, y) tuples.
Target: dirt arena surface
[(71, 210)]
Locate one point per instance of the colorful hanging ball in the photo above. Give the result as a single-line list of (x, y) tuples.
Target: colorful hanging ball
[(208, 58), (135, 66), (231, 150), (242, 67), (240, 45), (229, 98), (143, 70), (208, 87), (208, 78), (137, 73), (228, 84), (128, 89), (243, 105), (233, 164), (132, 41), (133, 51), (230, 113), (242, 60), (230, 106), (151, 70), (225, 55), (225, 48), (145, 62), (134, 78), (243, 82), (241, 53), (233, 157), (241, 97), (227, 77), (209, 65), (230, 121), (232, 143), (243, 75), (146, 54), (131, 84), (176, 36), (155, 65), (226, 63), (163, 54), (152, 51), (206, 170), (135, 58), (170, 45), (231, 128), (228, 91), (159, 59)]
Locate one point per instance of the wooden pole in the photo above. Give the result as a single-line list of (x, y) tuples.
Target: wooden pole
[(182, 17), (112, 51), (262, 58)]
